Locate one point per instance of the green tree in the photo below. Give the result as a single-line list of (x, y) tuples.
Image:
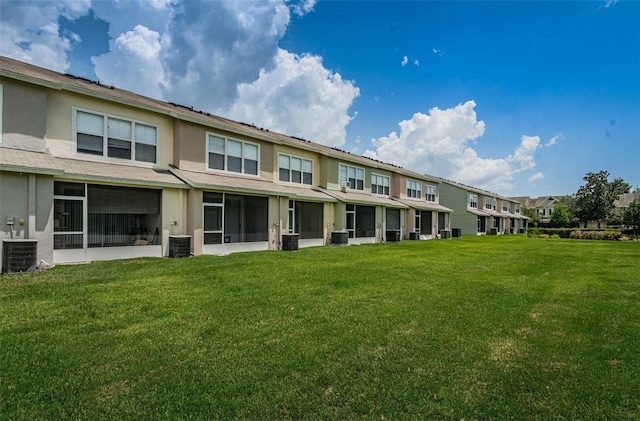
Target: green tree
[(632, 217), (532, 214), (560, 216), (594, 200), (569, 202)]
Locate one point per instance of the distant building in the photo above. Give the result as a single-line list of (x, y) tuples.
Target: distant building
[(543, 205), (480, 212)]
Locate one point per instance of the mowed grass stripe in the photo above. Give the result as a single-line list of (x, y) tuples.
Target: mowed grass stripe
[(473, 328)]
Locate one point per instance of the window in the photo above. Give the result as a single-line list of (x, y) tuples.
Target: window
[(361, 221), (353, 175), (230, 218), (292, 169), (505, 206), (232, 155), (213, 222), (414, 189), (104, 216), (305, 219), (115, 137), (380, 184), (487, 203), (431, 193), (473, 201), (516, 208)]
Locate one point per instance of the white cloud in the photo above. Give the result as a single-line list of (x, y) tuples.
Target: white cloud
[(134, 61), (523, 155), (609, 3), (303, 7), (438, 143), (438, 52), (405, 60), (223, 57), (554, 140), (416, 63), (537, 176), (298, 97), (29, 31)]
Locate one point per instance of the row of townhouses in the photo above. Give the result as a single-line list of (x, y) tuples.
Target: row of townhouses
[(93, 172)]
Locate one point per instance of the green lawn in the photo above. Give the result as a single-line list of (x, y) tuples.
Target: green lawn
[(473, 328)]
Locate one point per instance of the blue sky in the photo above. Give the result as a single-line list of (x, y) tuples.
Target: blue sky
[(520, 98)]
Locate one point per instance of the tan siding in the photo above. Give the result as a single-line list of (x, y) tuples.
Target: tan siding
[(24, 116)]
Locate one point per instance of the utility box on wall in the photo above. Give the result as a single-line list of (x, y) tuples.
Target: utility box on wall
[(19, 256)]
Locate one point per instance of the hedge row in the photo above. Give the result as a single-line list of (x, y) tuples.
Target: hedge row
[(582, 234)]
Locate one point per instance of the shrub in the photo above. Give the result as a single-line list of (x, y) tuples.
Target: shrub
[(596, 235)]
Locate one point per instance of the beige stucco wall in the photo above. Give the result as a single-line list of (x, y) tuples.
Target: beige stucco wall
[(190, 149), (60, 135), (300, 153), (28, 199), (23, 116), (174, 215), (194, 220)]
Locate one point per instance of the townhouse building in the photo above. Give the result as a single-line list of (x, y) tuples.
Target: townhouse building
[(543, 205), (479, 212), (93, 172)]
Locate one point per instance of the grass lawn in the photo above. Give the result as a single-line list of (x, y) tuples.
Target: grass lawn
[(473, 328)]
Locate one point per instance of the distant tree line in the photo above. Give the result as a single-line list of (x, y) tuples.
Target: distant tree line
[(594, 201)]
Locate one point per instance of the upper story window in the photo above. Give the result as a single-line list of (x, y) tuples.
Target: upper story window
[(516, 208), (292, 169), (354, 176), (505, 206), (232, 155), (431, 193), (414, 189), (115, 137), (473, 201), (380, 184), (490, 203)]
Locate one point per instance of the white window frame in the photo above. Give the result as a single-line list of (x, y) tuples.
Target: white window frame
[(351, 170), (431, 197), (225, 155), (386, 184), (516, 208), (219, 205), (473, 200), (302, 171), (105, 136), (292, 217), (414, 189), (505, 206)]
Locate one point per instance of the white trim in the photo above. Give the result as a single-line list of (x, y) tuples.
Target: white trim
[(388, 179), (426, 192), (364, 174), (302, 160), (418, 192), (225, 170), (105, 136), (227, 248)]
